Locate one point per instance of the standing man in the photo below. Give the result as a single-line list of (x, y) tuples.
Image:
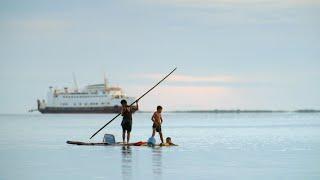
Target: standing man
[(126, 123)]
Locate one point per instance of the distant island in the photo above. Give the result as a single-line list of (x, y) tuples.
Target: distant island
[(242, 111)]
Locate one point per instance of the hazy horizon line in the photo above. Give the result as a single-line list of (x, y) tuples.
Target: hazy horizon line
[(197, 111)]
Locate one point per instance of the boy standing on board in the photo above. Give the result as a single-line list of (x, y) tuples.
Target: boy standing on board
[(126, 123), (157, 121)]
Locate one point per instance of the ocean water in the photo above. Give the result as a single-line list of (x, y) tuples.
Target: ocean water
[(211, 146)]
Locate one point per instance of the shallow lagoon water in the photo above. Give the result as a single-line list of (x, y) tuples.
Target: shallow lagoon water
[(211, 146)]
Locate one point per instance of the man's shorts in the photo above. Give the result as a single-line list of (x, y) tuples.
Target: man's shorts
[(157, 127), (126, 125)]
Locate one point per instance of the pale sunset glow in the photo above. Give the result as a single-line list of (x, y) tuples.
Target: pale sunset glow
[(188, 78), (188, 98)]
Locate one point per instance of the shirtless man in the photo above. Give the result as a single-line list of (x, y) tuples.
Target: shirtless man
[(157, 121), (126, 123)]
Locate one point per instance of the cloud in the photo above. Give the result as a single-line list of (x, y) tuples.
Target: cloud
[(235, 2), (239, 12), (38, 24), (189, 78), (222, 81)]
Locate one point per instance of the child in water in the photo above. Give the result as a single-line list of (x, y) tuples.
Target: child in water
[(168, 142), (157, 121)]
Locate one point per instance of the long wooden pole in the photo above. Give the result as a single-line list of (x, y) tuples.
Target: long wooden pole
[(134, 102)]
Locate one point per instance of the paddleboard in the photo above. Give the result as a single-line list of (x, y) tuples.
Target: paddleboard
[(140, 143)]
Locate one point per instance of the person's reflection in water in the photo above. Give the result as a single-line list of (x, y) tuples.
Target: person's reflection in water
[(126, 162), (157, 162)]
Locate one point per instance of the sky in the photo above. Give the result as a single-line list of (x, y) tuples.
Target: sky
[(230, 54)]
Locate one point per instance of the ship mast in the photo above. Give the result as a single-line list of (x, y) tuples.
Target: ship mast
[(76, 88), (105, 82)]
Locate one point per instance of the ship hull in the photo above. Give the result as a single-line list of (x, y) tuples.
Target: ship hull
[(76, 110)]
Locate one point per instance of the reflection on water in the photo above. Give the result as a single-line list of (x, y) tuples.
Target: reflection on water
[(157, 162), (253, 147), (126, 162)]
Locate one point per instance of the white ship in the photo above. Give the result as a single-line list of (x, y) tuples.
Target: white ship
[(96, 98)]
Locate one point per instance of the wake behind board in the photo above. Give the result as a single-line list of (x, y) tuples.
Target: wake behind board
[(140, 143)]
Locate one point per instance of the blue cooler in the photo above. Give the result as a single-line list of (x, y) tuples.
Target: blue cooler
[(151, 141), (109, 138)]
